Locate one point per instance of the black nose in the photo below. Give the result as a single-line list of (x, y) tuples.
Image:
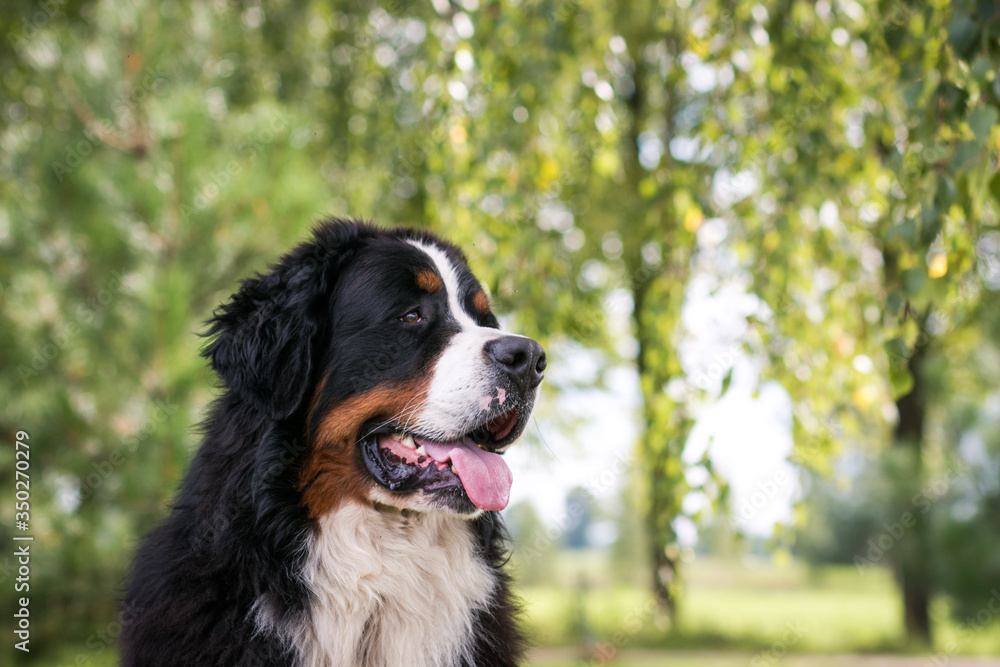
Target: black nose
[(522, 358)]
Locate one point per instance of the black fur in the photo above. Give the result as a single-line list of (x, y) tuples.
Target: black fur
[(236, 538)]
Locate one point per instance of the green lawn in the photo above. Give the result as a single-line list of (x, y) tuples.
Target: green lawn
[(730, 614), (645, 658), (701, 659), (732, 606)]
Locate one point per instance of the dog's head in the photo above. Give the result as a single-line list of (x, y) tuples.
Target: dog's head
[(380, 346)]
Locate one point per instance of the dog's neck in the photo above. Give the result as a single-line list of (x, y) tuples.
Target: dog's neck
[(392, 588)]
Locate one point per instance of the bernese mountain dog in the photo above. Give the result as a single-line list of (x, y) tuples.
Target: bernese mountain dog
[(342, 509)]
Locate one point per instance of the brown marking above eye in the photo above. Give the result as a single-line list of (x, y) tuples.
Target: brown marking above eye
[(429, 281), (481, 303)]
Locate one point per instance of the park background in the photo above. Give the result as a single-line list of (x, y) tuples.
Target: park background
[(759, 240)]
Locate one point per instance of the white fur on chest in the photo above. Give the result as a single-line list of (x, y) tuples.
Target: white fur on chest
[(392, 590)]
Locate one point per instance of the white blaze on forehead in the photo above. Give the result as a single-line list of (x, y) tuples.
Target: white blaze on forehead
[(462, 376), (446, 269)]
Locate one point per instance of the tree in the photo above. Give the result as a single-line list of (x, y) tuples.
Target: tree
[(904, 181), (588, 155), (156, 154)]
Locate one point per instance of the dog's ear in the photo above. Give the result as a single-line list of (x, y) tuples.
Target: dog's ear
[(266, 334)]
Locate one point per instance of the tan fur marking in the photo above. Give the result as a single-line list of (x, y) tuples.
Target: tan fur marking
[(315, 399), (334, 472), (429, 281), (481, 303)]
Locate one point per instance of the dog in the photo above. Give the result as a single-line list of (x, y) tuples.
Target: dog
[(343, 508)]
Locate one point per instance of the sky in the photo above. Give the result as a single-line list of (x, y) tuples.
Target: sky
[(747, 431), (749, 439)]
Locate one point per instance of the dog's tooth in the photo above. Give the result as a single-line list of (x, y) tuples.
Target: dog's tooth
[(453, 470), (422, 451), (407, 441)]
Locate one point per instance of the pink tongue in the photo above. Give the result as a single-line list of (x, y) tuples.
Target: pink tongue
[(484, 475)]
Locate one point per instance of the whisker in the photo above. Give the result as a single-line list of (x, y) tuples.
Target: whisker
[(406, 413), (542, 437), (411, 414)]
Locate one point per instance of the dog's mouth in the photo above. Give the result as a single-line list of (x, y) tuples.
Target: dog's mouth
[(470, 466)]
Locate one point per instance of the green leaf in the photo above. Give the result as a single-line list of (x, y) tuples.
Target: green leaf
[(902, 381), (965, 155), (898, 354), (894, 302), (944, 194), (952, 100), (906, 231), (930, 225), (981, 121), (913, 280), (726, 381), (988, 11), (912, 93), (981, 69), (897, 350), (962, 35), (995, 186)]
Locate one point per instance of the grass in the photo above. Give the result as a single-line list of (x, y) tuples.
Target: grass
[(730, 614), (727, 605), (689, 659), (80, 656)]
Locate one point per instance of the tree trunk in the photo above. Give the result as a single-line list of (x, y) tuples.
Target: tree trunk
[(656, 452), (913, 568), (663, 436), (664, 575)]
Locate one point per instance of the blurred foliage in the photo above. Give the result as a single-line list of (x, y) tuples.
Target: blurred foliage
[(874, 159), (855, 517), (836, 159), (745, 607)]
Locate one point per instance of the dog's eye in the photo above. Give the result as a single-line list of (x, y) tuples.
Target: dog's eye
[(411, 317)]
